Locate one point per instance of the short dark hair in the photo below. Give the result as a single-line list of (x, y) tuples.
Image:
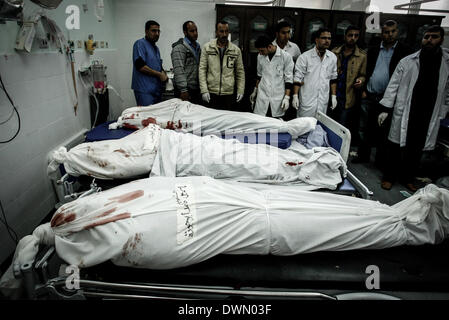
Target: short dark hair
[(184, 25), (435, 28), (220, 22), (318, 33), (150, 23), (282, 24), (352, 27), (263, 42), (389, 23)]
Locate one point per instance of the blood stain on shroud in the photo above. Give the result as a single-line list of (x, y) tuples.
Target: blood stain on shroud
[(121, 216), (126, 197), (122, 151), (106, 212), (60, 219), (130, 126), (147, 121), (292, 164)]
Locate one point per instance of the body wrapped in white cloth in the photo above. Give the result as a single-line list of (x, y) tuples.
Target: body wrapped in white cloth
[(163, 223), (175, 154), (184, 116)]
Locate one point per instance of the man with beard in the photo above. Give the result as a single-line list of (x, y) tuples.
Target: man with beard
[(381, 63), (314, 70), (418, 92), (220, 70), (148, 74), (351, 66), (185, 58)]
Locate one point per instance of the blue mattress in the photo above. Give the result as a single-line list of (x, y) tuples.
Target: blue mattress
[(102, 132), (334, 140)]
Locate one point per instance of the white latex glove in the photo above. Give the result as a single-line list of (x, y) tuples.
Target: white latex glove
[(206, 97), (334, 102), (382, 118), (239, 97), (252, 97), (285, 103), (295, 102)]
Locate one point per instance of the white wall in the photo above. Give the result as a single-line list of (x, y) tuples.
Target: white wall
[(170, 14), (388, 6), (40, 84)]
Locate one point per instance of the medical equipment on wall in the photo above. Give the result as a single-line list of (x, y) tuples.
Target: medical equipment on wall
[(94, 81), (90, 44), (11, 10), (99, 76), (25, 37), (99, 10), (47, 4), (70, 51)]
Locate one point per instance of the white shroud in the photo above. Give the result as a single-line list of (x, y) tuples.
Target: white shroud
[(163, 223), (176, 154), (193, 118)]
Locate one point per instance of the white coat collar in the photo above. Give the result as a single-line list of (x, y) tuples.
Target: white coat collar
[(288, 45), (278, 51)]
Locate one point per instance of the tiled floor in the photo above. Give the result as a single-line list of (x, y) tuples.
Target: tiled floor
[(371, 177)]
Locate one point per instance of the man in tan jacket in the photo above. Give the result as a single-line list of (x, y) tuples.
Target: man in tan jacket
[(351, 66), (221, 70)]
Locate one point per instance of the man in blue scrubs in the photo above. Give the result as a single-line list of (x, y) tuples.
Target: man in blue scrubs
[(148, 74)]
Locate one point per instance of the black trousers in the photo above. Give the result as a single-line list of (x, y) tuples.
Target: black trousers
[(195, 96), (223, 102), (349, 118), (371, 135), (402, 163)]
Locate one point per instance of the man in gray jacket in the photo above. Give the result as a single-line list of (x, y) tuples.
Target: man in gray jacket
[(418, 93), (185, 58)]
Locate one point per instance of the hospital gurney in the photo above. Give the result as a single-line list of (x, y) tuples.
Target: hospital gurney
[(339, 139), (146, 238)]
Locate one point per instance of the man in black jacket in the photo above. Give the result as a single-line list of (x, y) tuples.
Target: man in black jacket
[(381, 63)]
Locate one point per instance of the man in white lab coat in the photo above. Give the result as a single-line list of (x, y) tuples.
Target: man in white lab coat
[(418, 93), (283, 33), (315, 70), (271, 95)]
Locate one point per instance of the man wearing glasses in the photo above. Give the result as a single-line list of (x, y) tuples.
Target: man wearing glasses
[(148, 74), (315, 70), (418, 93)]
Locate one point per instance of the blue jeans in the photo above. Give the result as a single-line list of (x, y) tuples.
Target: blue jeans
[(145, 99)]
